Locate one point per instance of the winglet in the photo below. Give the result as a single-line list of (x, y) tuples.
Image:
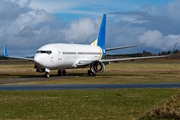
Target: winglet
[(174, 48), (5, 51)]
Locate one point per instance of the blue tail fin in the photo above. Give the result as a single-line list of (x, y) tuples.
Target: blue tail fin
[(102, 34), (5, 51)]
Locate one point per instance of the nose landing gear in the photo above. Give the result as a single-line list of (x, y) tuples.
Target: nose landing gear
[(46, 75)]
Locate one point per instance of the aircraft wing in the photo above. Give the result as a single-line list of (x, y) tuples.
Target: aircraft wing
[(14, 57), (132, 58), (135, 58), (106, 61)]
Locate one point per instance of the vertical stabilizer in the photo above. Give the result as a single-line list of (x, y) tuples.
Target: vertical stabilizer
[(102, 34), (5, 51)]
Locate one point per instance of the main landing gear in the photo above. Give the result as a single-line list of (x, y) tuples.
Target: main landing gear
[(61, 72)]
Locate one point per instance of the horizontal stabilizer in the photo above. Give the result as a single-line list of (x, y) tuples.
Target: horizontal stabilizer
[(123, 47), (14, 57)]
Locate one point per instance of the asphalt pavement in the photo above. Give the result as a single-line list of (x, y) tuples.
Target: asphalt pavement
[(86, 86)]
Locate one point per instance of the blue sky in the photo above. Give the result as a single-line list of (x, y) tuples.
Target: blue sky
[(26, 25), (81, 8)]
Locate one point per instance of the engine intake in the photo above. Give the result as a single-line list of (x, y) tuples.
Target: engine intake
[(97, 67)]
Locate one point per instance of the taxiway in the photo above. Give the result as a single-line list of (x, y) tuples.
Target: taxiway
[(86, 86)]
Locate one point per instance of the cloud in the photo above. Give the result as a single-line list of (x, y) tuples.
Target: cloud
[(10, 11), (80, 30), (53, 5), (22, 27), (170, 10), (152, 27), (25, 28), (155, 39), (27, 31)]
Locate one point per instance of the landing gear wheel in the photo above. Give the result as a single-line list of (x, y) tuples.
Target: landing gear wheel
[(64, 72), (61, 72), (46, 75), (90, 73)]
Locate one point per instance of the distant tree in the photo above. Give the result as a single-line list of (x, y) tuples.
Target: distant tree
[(166, 53), (145, 53), (176, 51)]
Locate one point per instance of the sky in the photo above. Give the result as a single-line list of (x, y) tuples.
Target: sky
[(26, 25)]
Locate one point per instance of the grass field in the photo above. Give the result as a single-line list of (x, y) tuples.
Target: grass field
[(129, 104), (125, 72)]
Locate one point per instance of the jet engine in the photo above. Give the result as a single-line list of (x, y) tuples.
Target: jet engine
[(97, 67)]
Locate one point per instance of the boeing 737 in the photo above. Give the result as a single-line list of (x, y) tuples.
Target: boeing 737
[(58, 56)]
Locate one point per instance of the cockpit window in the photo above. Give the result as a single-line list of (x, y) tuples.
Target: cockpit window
[(49, 52), (44, 51)]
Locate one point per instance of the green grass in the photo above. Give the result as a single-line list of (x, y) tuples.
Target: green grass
[(123, 72), (87, 104), (17, 71), (169, 110), (110, 104)]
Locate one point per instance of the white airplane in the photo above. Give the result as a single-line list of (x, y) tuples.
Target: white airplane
[(58, 56)]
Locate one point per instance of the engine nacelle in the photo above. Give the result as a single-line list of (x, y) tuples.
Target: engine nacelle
[(37, 69), (97, 67)]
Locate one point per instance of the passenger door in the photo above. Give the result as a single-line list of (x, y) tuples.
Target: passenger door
[(59, 53)]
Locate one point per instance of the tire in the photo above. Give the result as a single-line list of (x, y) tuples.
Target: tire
[(59, 73), (90, 73), (46, 75), (64, 72)]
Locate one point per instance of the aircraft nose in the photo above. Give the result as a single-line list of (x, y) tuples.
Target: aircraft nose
[(38, 59)]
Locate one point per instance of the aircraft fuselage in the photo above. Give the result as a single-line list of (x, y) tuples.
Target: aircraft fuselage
[(64, 56)]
